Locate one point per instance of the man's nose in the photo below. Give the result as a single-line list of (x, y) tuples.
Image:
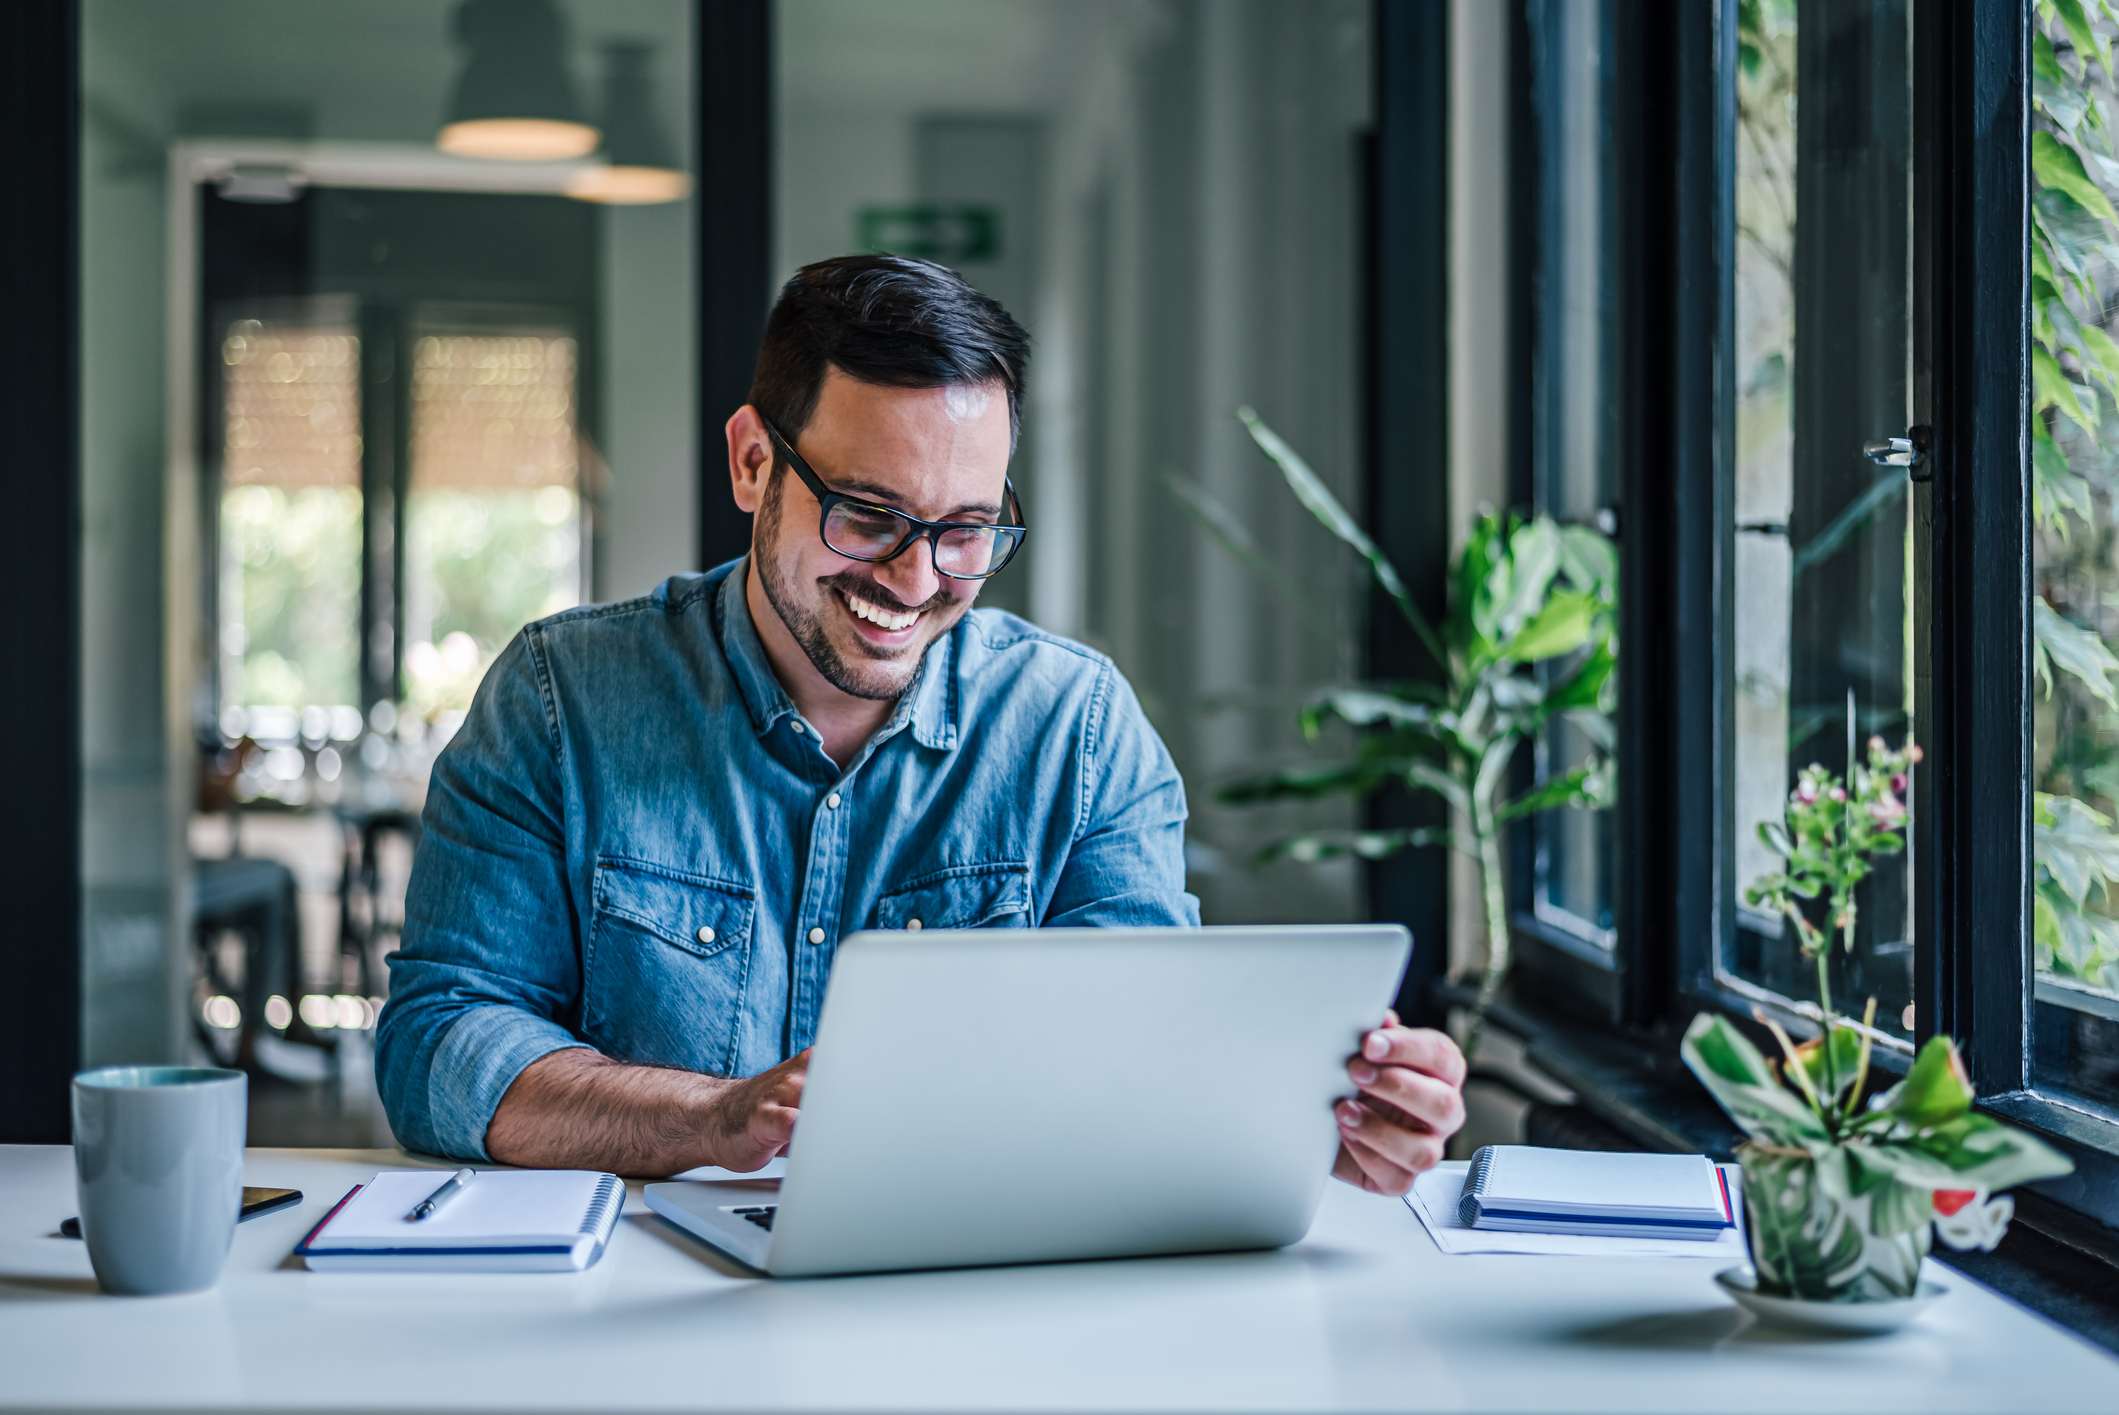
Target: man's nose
[(911, 575)]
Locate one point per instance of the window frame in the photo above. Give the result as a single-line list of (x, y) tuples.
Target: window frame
[(1973, 706), (1561, 956)]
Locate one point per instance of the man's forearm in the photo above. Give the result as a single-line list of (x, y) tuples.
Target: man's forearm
[(578, 1109)]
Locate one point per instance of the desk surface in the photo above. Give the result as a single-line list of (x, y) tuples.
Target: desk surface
[(1364, 1314)]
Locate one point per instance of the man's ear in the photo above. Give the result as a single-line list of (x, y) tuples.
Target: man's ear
[(750, 458)]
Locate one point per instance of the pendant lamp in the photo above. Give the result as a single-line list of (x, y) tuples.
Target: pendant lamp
[(639, 165), (514, 98)]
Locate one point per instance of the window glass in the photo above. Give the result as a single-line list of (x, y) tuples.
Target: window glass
[(2074, 944), (290, 520), (1823, 366), (493, 523), (1576, 445)]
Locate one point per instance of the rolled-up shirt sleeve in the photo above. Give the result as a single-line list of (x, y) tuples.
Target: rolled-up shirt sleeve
[(1126, 865), (488, 976)]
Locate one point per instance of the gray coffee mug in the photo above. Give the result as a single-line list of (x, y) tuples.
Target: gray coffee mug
[(158, 1167)]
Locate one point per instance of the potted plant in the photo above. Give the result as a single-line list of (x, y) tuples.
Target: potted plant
[(1843, 1190), (1530, 639)]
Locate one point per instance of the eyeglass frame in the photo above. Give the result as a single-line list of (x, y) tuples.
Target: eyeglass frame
[(920, 528)]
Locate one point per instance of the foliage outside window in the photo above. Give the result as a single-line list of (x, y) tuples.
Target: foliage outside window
[(493, 521), (290, 516), (2075, 494), (493, 517), (1822, 328)]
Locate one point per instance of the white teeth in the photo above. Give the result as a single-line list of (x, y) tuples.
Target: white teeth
[(876, 614)]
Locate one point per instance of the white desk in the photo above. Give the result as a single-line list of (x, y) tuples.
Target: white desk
[(1363, 1315)]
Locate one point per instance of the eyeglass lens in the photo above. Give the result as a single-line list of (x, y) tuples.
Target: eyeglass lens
[(871, 533)]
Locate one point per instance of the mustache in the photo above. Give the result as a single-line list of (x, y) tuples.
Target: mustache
[(875, 594)]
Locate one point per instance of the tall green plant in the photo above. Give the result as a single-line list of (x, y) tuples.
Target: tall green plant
[(1530, 639), (2074, 377)]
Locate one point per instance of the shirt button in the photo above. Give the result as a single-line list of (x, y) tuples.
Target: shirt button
[(816, 935), (832, 800), (913, 924), (706, 935), (796, 724)]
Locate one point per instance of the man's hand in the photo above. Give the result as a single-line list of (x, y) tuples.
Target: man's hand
[(1411, 1085), (753, 1120), (576, 1109)]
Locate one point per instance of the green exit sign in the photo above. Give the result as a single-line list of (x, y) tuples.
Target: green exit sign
[(953, 235)]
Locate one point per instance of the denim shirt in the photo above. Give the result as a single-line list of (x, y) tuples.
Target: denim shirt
[(635, 842)]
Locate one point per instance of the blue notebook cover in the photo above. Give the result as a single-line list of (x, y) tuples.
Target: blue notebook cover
[(1535, 1190)]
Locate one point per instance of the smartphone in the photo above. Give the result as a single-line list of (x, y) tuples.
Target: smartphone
[(255, 1202)]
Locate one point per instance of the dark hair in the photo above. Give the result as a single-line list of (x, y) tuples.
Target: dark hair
[(884, 319)]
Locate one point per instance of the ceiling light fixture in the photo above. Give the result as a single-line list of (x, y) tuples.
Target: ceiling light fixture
[(639, 166), (514, 99)]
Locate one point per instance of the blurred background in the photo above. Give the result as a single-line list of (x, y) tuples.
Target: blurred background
[(407, 322)]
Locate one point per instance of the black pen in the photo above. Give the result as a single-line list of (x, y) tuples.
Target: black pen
[(450, 1188)]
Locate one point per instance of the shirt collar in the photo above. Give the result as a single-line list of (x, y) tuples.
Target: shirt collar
[(930, 703)]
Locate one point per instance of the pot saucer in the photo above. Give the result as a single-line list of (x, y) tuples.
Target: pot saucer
[(1841, 1318)]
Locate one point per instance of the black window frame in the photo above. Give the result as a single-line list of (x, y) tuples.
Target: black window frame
[(1971, 572)]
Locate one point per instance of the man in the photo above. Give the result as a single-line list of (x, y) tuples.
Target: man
[(660, 817)]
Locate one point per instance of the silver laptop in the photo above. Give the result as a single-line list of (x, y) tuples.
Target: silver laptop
[(1015, 1096)]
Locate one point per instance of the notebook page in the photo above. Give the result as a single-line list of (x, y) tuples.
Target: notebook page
[(1591, 1181), (499, 1207)]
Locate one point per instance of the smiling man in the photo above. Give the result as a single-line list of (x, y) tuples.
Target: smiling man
[(660, 817)]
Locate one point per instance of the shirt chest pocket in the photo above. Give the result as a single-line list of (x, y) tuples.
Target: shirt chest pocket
[(989, 896), (666, 970)]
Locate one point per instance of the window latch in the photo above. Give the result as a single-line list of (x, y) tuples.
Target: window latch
[(1910, 452)]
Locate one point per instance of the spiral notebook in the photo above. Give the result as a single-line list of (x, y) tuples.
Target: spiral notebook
[(1527, 1189), (506, 1220)]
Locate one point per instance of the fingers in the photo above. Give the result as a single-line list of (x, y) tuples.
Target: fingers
[(765, 1134), (1432, 1103), (1348, 1170), (1380, 1173), (1374, 1134), (771, 1126), (1421, 1048)]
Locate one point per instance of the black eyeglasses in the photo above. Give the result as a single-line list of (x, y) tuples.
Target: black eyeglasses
[(862, 530)]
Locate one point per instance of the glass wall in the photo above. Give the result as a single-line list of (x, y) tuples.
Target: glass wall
[(374, 372)]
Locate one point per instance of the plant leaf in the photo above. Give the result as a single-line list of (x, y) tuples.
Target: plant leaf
[(1973, 1151), (1534, 558), (1229, 532), (2076, 651), (1428, 776), (1303, 783), (1585, 787), (1561, 626), (1744, 1085), (1361, 844), (1318, 500), (2074, 845), (1589, 561), (1367, 707)]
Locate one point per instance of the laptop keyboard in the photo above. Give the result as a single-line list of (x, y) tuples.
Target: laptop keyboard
[(761, 1216)]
